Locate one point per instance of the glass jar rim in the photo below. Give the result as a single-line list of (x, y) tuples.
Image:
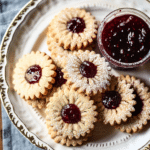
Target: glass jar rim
[(117, 13)]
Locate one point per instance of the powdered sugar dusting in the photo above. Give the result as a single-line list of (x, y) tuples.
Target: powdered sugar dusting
[(87, 109), (96, 83)]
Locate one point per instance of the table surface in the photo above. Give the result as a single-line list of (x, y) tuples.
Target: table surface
[(10, 137)]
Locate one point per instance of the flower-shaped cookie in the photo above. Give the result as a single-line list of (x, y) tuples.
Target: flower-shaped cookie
[(142, 107), (73, 28), (70, 114), (66, 141), (59, 54), (37, 103), (115, 104), (87, 72), (59, 83), (34, 75)]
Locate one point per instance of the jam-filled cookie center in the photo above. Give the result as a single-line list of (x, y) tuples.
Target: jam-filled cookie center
[(33, 74), (76, 25), (88, 69), (71, 114), (139, 104), (59, 80), (111, 99)]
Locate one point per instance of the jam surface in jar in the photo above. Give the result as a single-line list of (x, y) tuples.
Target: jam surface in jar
[(126, 38)]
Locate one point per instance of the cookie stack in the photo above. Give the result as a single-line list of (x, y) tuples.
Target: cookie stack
[(70, 117), (72, 29), (33, 77), (125, 104), (70, 33), (141, 115), (75, 85)]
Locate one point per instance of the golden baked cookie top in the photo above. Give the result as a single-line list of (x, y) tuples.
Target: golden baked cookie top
[(116, 103), (73, 28), (34, 75)]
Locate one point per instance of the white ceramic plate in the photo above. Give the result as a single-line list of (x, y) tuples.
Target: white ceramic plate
[(27, 33)]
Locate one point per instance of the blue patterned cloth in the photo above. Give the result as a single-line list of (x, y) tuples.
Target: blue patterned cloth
[(12, 138)]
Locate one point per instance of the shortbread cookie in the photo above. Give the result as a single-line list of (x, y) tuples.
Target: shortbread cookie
[(116, 104), (66, 141), (71, 115), (59, 54), (37, 103), (53, 45), (142, 107), (34, 75), (73, 28), (59, 83), (87, 72)]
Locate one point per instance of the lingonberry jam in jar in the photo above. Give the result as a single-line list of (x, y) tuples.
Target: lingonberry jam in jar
[(123, 38)]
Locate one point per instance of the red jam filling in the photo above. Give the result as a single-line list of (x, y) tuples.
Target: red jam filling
[(126, 38), (59, 80), (111, 99), (139, 105), (88, 69), (33, 74), (76, 25), (71, 114)]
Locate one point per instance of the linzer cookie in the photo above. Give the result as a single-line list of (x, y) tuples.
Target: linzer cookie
[(87, 72), (66, 141), (141, 115), (59, 54), (34, 75), (37, 103), (59, 83), (70, 115), (116, 103), (73, 28)]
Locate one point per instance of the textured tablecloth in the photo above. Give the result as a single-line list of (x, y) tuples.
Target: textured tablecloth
[(12, 138)]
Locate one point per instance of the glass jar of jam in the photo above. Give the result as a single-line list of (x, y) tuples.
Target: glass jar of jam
[(124, 38)]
